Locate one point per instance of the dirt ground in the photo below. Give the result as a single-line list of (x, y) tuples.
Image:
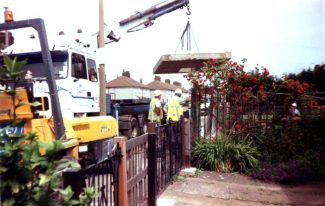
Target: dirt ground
[(211, 188)]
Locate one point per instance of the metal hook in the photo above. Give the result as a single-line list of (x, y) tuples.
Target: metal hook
[(188, 9)]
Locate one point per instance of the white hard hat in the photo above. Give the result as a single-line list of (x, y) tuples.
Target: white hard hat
[(178, 91), (294, 104), (157, 93)]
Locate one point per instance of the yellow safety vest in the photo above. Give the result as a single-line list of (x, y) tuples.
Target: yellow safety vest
[(174, 109), (152, 116)]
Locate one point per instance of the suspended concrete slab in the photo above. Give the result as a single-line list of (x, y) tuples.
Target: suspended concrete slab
[(184, 63)]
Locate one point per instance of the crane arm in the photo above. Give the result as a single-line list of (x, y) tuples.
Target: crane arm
[(145, 18)]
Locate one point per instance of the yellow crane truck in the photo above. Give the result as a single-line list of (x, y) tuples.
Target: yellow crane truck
[(64, 80)]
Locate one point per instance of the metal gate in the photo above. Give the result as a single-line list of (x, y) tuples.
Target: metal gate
[(152, 161), (101, 175)]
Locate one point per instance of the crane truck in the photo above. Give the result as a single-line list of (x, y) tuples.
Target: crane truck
[(67, 92), (64, 79)]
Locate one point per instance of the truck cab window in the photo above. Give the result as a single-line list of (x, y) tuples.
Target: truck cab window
[(92, 71), (78, 66), (35, 63)]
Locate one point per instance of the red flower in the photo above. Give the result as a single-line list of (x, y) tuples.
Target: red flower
[(237, 88), (266, 72), (306, 85), (212, 62), (244, 76), (254, 79), (237, 126), (312, 104), (245, 99)]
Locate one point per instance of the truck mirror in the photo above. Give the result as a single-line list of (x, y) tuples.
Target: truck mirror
[(117, 106)]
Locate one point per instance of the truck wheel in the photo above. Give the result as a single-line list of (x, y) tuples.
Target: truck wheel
[(135, 131)]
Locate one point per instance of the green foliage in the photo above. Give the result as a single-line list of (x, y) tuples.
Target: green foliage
[(291, 151), (28, 177), (309, 166), (225, 155), (314, 77), (11, 70), (259, 110)]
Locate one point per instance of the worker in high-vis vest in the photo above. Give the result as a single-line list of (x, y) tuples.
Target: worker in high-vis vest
[(155, 109), (173, 108)]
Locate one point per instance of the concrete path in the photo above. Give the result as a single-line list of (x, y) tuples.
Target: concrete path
[(211, 189)]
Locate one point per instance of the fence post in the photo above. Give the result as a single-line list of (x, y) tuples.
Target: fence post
[(152, 165), (122, 176), (185, 132), (171, 144), (195, 112)]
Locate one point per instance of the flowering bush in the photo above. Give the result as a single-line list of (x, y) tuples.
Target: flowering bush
[(231, 84), (237, 95), (229, 78)]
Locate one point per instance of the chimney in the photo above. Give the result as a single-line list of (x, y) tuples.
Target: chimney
[(167, 81), (141, 80), (157, 78), (176, 83), (126, 74)]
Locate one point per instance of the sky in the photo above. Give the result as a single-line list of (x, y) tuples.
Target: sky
[(283, 36)]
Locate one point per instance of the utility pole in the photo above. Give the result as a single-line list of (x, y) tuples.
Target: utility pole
[(101, 71)]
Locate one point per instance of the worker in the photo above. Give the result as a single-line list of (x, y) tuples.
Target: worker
[(173, 108), (155, 109), (295, 113)]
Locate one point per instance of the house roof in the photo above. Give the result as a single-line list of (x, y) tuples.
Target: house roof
[(124, 82), (156, 84)]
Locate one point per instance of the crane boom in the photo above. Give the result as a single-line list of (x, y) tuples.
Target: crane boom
[(147, 16)]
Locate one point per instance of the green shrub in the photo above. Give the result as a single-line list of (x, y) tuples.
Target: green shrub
[(291, 151), (28, 177), (224, 155), (310, 166)]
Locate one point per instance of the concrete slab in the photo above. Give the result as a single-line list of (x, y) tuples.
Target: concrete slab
[(188, 172), (184, 63)]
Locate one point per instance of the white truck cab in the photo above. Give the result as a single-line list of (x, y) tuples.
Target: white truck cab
[(75, 72)]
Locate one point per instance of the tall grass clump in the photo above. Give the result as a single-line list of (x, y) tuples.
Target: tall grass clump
[(224, 155)]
